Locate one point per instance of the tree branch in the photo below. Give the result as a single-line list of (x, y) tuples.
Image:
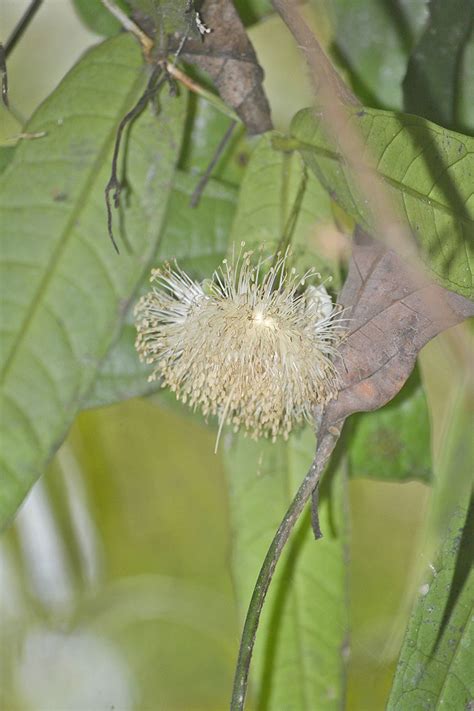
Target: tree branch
[(327, 442)]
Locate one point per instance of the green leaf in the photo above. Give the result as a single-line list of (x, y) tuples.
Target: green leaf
[(428, 173), (6, 155), (64, 289), (393, 443), (299, 659), (432, 77), (98, 18), (267, 199), (197, 238), (437, 657)]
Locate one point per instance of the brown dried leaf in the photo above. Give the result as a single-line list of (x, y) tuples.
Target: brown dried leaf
[(393, 312), (227, 55)]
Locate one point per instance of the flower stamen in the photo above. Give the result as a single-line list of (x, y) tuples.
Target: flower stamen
[(251, 346)]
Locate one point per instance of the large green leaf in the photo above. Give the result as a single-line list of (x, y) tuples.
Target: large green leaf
[(428, 173), (299, 658), (64, 290), (393, 443), (270, 194), (437, 657), (197, 238)]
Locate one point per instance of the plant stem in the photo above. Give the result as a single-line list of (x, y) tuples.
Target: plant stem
[(21, 26), (129, 25), (196, 196), (198, 89), (311, 480)]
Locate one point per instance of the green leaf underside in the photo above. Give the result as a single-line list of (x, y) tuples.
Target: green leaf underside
[(393, 443), (64, 289), (428, 172), (197, 239), (299, 658), (437, 656), (267, 197)]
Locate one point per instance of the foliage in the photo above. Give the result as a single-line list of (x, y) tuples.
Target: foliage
[(436, 658), (67, 309)]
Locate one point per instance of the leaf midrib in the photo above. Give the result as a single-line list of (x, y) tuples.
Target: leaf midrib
[(81, 203)]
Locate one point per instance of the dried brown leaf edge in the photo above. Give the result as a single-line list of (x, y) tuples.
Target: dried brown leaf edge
[(393, 311)]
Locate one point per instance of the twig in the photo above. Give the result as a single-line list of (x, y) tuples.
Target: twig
[(174, 71), (315, 525), (310, 482), (198, 190), (154, 83), (21, 26), (4, 73), (337, 103), (129, 25), (196, 88), (11, 42), (289, 227), (325, 75)]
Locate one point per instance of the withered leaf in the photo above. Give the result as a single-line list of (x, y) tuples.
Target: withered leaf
[(228, 57), (393, 312)]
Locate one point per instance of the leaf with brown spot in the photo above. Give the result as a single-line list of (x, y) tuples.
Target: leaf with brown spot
[(393, 312)]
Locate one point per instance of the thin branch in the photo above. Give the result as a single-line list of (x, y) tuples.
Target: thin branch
[(154, 83), (315, 525), (198, 190), (4, 73), (174, 71), (196, 88), (129, 25), (21, 26), (326, 75), (289, 228), (325, 447), (336, 108)]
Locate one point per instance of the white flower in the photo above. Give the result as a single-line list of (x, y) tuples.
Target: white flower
[(250, 346)]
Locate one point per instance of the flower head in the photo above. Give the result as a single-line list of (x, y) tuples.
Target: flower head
[(251, 346)]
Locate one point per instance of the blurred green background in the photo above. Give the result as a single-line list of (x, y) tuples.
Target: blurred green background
[(116, 589)]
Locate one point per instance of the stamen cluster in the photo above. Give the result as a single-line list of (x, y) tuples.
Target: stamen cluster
[(252, 345)]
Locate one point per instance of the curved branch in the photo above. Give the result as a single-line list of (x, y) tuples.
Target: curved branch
[(310, 482)]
